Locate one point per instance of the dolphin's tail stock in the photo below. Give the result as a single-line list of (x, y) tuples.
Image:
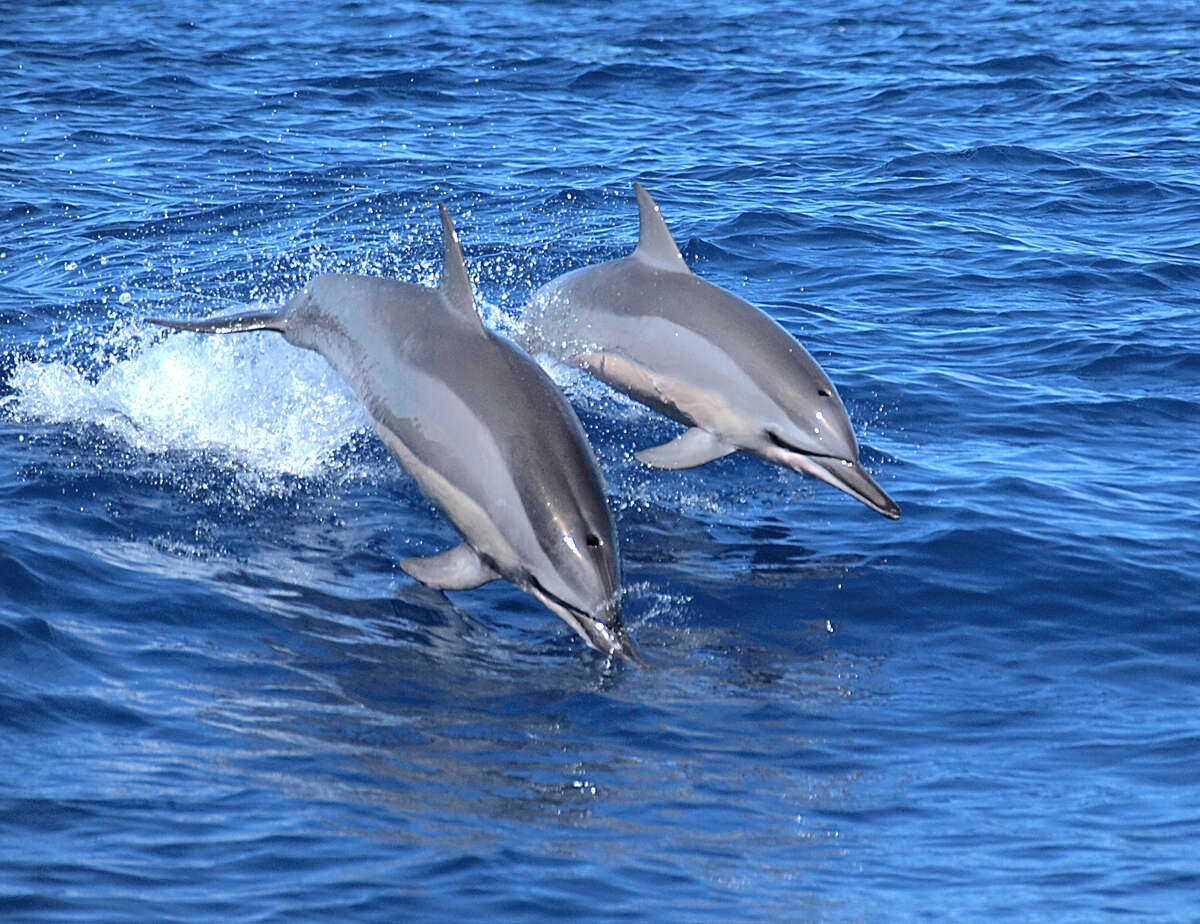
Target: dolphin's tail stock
[(229, 323)]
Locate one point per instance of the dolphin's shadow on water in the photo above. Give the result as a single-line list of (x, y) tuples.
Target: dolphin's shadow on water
[(401, 703), (679, 570), (722, 553), (421, 626)]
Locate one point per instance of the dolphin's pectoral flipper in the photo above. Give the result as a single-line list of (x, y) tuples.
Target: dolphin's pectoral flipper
[(694, 447), (459, 568)]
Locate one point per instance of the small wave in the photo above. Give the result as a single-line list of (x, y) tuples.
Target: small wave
[(407, 85), (1160, 362), (697, 250), (574, 197), (621, 76), (255, 399), (762, 221), (1018, 64), (1171, 90), (987, 155), (1090, 101)]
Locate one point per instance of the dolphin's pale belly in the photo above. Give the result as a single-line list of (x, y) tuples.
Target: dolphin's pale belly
[(469, 516), (457, 463), (682, 375)]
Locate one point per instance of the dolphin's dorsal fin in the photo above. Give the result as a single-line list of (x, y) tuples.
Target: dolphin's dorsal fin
[(655, 244), (455, 284)]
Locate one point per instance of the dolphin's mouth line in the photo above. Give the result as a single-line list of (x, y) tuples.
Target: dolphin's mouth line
[(844, 474), (604, 637), (550, 595), (784, 444)]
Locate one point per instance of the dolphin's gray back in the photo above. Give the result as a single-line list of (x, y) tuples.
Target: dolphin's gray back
[(463, 401)]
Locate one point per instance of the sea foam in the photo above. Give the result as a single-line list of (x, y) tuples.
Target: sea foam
[(253, 398)]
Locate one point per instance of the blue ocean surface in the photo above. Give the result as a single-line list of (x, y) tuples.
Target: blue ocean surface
[(221, 698)]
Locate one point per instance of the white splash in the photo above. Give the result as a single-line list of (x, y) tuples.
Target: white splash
[(254, 397)]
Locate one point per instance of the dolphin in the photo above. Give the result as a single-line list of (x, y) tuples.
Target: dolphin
[(648, 326), (483, 431)]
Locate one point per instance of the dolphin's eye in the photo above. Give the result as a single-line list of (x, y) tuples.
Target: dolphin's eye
[(593, 540), (824, 393)]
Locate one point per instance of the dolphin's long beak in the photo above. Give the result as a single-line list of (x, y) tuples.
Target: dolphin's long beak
[(602, 631), (606, 635), (846, 476)]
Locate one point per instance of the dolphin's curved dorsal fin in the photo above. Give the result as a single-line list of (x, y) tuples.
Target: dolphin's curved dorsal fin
[(455, 284), (655, 244)]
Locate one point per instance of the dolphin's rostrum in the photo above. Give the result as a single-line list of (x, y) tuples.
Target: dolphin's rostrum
[(483, 431), (649, 327)]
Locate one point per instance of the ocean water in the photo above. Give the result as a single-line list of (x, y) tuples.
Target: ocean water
[(219, 696)]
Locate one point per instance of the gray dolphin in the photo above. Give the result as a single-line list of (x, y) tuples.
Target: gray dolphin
[(483, 431), (649, 327)]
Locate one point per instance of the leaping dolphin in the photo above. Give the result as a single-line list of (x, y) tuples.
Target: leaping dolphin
[(483, 431), (649, 327)]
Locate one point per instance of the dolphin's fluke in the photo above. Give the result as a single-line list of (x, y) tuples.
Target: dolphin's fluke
[(459, 568), (455, 284), (692, 448), (655, 244), (228, 323)]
